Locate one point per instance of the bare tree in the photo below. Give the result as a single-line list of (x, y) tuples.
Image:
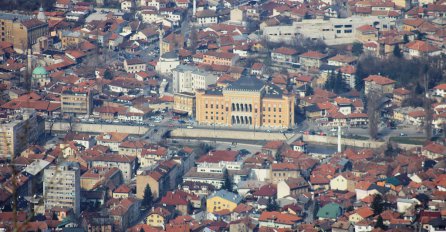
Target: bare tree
[(373, 112)]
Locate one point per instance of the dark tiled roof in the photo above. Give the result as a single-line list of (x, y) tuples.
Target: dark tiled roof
[(246, 83)]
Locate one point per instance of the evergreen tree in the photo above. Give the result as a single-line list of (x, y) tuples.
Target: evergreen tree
[(397, 51), (380, 223), (377, 204), (272, 205), (339, 84), (148, 197), (309, 90), (228, 183), (330, 83), (359, 77), (357, 49)]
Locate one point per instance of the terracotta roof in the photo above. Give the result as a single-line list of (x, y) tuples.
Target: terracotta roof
[(285, 51), (401, 91), (380, 80), (421, 46), (279, 218), (313, 54), (122, 189)]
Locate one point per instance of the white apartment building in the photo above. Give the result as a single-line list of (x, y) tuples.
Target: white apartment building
[(61, 186), (188, 79), (340, 30), (333, 31)]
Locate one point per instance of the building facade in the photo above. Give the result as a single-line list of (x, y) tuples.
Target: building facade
[(61, 187), (21, 30), (188, 79), (18, 131), (77, 101), (247, 102), (184, 103)]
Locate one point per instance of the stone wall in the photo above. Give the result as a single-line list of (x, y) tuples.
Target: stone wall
[(97, 128)]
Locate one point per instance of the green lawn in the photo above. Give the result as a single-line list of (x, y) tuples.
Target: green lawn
[(408, 140)]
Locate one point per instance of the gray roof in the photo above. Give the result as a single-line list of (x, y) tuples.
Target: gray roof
[(9, 16), (273, 91), (246, 83), (35, 167), (170, 55), (227, 195)]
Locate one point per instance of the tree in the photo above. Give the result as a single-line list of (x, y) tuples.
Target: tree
[(272, 205), (391, 151), (148, 197), (308, 90), (357, 49), (377, 204), (228, 182), (373, 113), (108, 75), (380, 223), (397, 51), (359, 77)]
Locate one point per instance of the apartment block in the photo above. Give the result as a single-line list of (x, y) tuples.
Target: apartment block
[(18, 130), (77, 101), (188, 79), (61, 186)]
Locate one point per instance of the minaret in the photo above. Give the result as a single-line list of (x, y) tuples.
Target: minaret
[(194, 8), (29, 68), (339, 139), (161, 35)]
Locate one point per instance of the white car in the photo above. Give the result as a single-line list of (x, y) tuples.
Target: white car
[(189, 127)]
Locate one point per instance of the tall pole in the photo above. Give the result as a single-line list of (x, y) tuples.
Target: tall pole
[(339, 139)]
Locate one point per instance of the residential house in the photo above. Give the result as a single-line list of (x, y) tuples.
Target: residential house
[(311, 59), (360, 214), (222, 200), (343, 182), (279, 220), (292, 187), (283, 171), (400, 95), (284, 55), (127, 164), (419, 48), (111, 140), (378, 84), (206, 17), (159, 217), (220, 58), (134, 65)]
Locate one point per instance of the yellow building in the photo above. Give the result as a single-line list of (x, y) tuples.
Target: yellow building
[(76, 101), (247, 102), (184, 103), (22, 31), (222, 200), (158, 217)]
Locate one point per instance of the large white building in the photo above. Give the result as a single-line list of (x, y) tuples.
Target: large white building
[(61, 186), (187, 79), (332, 31)]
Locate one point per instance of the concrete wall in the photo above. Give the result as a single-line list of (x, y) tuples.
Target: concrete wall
[(227, 134), (97, 128), (348, 142)]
